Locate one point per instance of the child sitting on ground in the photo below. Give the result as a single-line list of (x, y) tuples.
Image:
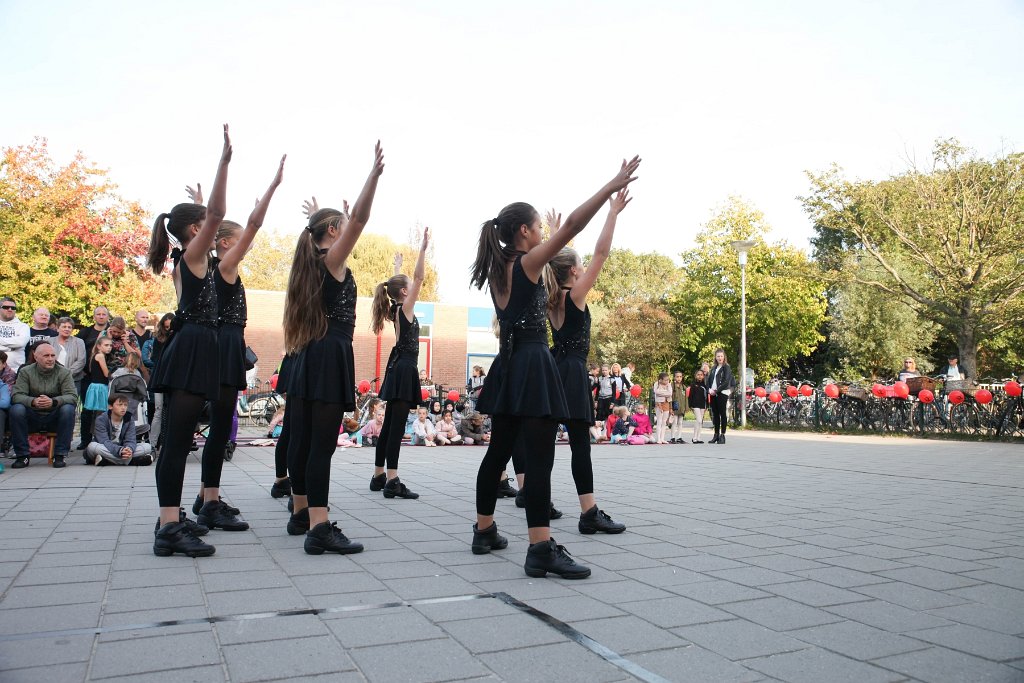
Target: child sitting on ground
[(113, 437), (623, 425), (643, 426), (371, 430), (276, 424), (597, 433), (423, 432), (447, 430), (348, 437), (472, 429)]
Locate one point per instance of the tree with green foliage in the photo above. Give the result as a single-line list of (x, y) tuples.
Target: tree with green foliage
[(628, 276), (68, 241), (639, 331), (959, 222), (786, 300)]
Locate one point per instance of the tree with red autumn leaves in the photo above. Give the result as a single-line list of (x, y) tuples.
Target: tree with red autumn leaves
[(68, 241)]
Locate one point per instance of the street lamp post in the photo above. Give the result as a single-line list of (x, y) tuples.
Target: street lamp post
[(742, 247)]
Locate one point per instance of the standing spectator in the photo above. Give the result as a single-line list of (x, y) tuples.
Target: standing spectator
[(140, 333), (99, 378), (663, 405), (40, 330), (620, 384), (953, 371), (476, 383), (909, 370), (627, 372), (121, 342), (88, 335), (605, 393), (719, 384), (698, 403), (44, 398), (14, 334), (71, 352), (114, 440), (680, 405), (151, 352)]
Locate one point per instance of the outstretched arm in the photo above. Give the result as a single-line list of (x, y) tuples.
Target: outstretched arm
[(199, 247), (585, 282), (538, 257), (409, 305), (398, 263), (343, 246), (229, 264)]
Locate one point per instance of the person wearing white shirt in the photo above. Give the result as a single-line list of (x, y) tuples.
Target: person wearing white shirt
[(14, 334), (952, 371)]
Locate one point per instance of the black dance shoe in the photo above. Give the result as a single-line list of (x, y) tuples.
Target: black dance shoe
[(377, 482), (721, 439), (299, 522), (506, 490), (487, 540), (555, 513), (282, 488), (176, 538), (594, 520), (198, 505), (548, 556), (193, 528), (217, 515), (521, 497), (327, 537), (396, 489), (19, 463)]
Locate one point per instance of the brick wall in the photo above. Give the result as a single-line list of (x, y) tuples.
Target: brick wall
[(265, 335)]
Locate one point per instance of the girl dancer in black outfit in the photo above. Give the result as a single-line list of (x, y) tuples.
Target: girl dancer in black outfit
[(395, 301), (233, 243), (523, 392), (319, 319), (719, 384), (568, 285), (189, 369)]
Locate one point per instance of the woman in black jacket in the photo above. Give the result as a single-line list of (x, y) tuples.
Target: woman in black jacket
[(719, 383)]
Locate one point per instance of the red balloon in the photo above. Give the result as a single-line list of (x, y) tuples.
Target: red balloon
[(273, 381), (425, 393), (901, 390), (807, 390), (926, 396), (1013, 388), (636, 390), (878, 390), (364, 386), (687, 392), (453, 395), (775, 397), (956, 397), (791, 391), (983, 396), (832, 391), (760, 392)]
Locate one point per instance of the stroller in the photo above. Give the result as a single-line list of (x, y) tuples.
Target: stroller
[(134, 387)]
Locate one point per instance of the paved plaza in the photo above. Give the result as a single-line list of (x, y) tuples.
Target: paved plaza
[(773, 557)]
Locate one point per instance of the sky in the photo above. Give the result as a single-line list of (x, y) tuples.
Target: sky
[(480, 104)]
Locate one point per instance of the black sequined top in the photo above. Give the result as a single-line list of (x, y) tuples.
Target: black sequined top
[(524, 318), (339, 298), (231, 308), (408, 342), (198, 301), (573, 337)]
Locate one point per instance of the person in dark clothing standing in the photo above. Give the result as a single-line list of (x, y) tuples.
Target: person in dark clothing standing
[(719, 383)]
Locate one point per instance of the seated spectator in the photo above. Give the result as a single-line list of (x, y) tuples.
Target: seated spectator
[(114, 440), (423, 432), (276, 424), (128, 382), (44, 398), (5, 404), (643, 433), (472, 429), (14, 334), (597, 434), (623, 425), (370, 433), (909, 370), (71, 352), (436, 412), (7, 375), (348, 437), (40, 330), (447, 430)]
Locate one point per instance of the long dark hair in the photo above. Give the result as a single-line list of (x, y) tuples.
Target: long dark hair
[(160, 333), (304, 316), (556, 274), (383, 295), (496, 246), (174, 224)]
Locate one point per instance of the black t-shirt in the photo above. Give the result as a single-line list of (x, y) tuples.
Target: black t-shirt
[(89, 335), (140, 340), (43, 335)]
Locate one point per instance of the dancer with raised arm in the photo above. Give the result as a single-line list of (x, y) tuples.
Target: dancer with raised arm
[(523, 392), (395, 301), (233, 244), (319, 320), (189, 369), (568, 285)]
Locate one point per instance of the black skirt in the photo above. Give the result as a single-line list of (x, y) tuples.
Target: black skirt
[(231, 342), (191, 362), (401, 380), (529, 386), (325, 370), (284, 374), (576, 384)]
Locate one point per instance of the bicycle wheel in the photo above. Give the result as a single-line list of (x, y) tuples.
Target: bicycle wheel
[(851, 415), (928, 418), (963, 419), (262, 409), (899, 417), (1011, 421)]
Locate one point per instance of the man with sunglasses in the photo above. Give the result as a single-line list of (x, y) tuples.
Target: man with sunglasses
[(14, 334)]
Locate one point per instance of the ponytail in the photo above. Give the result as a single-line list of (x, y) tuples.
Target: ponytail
[(556, 274), (495, 249), (177, 224), (159, 245), (381, 308)]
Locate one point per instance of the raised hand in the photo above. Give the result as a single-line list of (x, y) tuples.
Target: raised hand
[(279, 176), (553, 220), (426, 239), (195, 195), (309, 207), (398, 262), (225, 155), (619, 201), (378, 160), (625, 175), (344, 208)]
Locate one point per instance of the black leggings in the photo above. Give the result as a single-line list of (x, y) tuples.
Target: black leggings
[(390, 441), (519, 455), (281, 449), (181, 413), (582, 465), (539, 441), (221, 412), (719, 404), (316, 425), (604, 407)]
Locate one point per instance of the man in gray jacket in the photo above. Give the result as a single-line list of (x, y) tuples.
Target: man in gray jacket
[(44, 398)]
